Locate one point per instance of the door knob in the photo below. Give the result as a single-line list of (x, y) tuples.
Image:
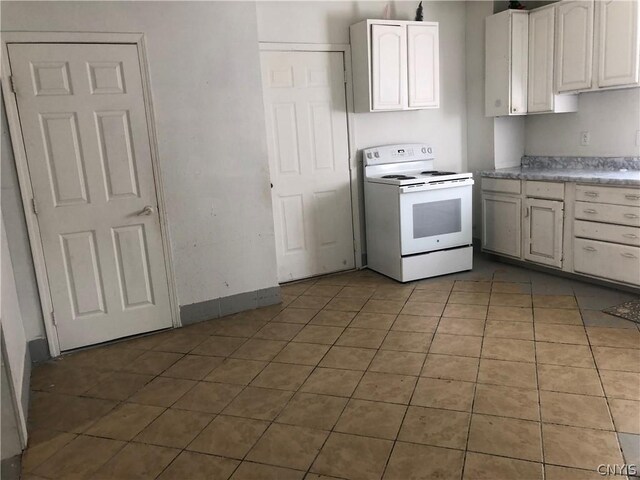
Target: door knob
[(147, 210)]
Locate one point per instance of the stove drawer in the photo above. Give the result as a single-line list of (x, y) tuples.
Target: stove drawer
[(607, 260), (605, 213), (607, 232)]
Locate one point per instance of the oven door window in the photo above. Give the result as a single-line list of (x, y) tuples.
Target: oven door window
[(432, 219)]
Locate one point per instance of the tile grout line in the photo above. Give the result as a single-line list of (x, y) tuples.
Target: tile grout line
[(475, 388), (332, 430), (604, 393), (538, 394), (419, 376)]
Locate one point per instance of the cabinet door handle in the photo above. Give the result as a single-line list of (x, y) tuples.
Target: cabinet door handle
[(631, 215), (526, 212), (628, 255), (591, 194), (589, 249), (629, 235), (632, 197), (590, 210)]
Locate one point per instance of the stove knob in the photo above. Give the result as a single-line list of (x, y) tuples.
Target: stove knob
[(368, 154), (424, 150), (430, 150), (376, 154)]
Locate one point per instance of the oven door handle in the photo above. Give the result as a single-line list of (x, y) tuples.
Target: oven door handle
[(427, 187)]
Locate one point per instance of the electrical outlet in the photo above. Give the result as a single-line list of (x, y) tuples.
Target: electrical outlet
[(585, 138)]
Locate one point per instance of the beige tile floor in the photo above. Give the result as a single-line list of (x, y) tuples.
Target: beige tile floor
[(500, 374)]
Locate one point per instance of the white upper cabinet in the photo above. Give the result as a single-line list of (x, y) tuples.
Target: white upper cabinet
[(541, 32), (395, 65), (506, 63), (389, 67), (424, 58), (617, 37), (574, 45), (541, 97)]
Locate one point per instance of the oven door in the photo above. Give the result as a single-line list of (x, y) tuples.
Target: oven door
[(435, 217)]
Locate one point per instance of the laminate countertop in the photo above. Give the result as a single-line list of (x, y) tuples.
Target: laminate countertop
[(604, 177)]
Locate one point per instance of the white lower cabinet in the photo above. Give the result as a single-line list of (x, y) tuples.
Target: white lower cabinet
[(543, 231), (600, 237), (607, 260), (501, 225)]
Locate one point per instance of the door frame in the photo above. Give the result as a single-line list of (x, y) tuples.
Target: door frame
[(24, 178), (354, 172)]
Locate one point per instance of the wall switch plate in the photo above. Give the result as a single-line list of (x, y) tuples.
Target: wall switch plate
[(585, 138)]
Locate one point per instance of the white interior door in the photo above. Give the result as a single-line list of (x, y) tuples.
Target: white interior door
[(305, 111), (86, 137)]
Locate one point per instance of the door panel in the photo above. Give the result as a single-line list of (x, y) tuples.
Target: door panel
[(389, 64), (541, 38), (305, 111), (574, 45), (501, 224), (86, 137), (618, 42), (424, 75), (543, 226)]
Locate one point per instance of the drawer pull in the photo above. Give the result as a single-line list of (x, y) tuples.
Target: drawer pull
[(629, 235), (589, 249), (632, 197), (590, 210), (591, 194), (631, 215), (628, 255)]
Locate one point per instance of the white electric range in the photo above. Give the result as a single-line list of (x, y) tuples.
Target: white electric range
[(418, 219)]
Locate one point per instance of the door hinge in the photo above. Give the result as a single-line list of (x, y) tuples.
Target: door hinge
[(53, 318), (345, 76), (12, 84), (33, 205)]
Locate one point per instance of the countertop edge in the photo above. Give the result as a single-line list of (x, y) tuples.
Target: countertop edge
[(597, 177)]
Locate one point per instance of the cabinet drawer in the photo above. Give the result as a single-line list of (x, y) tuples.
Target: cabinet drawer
[(607, 232), (552, 190), (614, 195), (502, 185), (607, 260), (600, 212)]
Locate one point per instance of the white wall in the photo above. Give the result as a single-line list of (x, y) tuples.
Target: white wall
[(205, 83), (17, 236), (328, 22), (480, 129), (14, 339), (612, 117)]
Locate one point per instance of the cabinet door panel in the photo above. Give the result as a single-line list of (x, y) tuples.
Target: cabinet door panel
[(543, 221), (574, 45), (389, 67), (423, 62), (501, 231), (617, 42), (541, 36)]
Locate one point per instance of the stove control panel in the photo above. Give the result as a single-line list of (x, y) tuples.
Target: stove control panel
[(397, 153)]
